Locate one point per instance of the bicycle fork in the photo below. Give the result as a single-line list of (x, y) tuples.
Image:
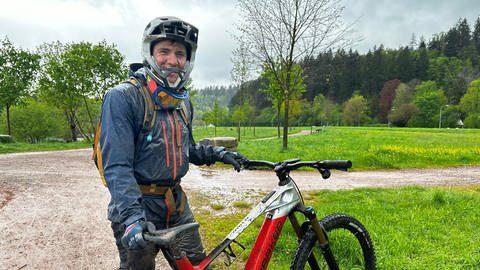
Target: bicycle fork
[(321, 234)]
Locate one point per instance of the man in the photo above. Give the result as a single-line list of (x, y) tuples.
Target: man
[(143, 164)]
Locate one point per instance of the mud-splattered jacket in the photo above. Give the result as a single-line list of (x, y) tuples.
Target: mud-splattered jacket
[(132, 154)]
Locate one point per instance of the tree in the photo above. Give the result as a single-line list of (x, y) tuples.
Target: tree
[(241, 72), (470, 105), (457, 38), (282, 32), (241, 114), (19, 68), (277, 93), (55, 86), (437, 44), (266, 117), (429, 100), (422, 62), (355, 111), (97, 67), (108, 68), (73, 73), (35, 121), (405, 66), (215, 116), (318, 107), (445, 72), (387, 95), (402, 109), (476, 35)]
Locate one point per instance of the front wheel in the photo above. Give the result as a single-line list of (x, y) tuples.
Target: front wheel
[(349, 241)]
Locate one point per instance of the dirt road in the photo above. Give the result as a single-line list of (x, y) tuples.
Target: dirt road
[(53, 205)]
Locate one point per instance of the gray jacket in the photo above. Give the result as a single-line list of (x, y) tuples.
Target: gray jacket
[(132, 154)]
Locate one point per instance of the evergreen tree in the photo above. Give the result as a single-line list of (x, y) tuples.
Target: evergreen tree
[(476, 35), (457, 38), (422, 62), (464, 34), (405, 67), (437, 45)]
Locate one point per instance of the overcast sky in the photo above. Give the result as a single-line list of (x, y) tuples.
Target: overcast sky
[(29, 23)]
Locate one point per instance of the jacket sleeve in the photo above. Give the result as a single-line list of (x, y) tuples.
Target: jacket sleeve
[(117, 142), (204, 154)]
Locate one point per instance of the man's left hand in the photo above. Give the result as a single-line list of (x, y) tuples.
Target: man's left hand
[(234, 158)]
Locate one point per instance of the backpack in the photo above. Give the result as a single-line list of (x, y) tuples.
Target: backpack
[(148, 122)]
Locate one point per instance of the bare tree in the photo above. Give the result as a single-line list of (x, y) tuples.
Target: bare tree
[(242, 70), (282, 32)]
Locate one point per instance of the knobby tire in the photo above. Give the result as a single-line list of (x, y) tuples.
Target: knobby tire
[(359, 253)]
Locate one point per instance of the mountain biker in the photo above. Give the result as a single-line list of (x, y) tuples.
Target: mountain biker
[(143, 166)]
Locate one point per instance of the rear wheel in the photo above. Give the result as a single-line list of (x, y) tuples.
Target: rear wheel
[(349, 241)]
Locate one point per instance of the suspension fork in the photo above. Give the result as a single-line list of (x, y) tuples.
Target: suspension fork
[(321, 234)]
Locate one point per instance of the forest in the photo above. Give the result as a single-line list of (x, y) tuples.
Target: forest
[(407, 86)]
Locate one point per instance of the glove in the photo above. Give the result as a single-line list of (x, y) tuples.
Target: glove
[(234, 158), (133, 237)]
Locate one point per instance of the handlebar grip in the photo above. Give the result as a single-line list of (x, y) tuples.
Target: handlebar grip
[(336, 164), (252, 164)]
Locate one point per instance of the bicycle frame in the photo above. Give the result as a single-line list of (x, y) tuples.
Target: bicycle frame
[(277, 205), (284, 201)]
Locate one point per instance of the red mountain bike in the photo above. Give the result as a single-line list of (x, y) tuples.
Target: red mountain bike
[(337, 241)]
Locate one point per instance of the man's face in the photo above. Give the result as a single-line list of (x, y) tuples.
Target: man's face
[(170, 54)]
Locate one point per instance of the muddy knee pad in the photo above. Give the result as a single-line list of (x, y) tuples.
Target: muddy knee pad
[(118, 230), (142, 259)]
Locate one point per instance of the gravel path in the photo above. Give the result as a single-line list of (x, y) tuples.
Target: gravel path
[(53, 205)]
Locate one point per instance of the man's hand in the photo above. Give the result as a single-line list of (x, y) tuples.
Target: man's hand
[(133, 238), (234, 158)]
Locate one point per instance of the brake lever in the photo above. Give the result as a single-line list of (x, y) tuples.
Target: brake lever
[(324, 172)]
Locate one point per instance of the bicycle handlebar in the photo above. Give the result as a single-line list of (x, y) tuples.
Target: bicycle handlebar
[(293, 164), (284, 167)]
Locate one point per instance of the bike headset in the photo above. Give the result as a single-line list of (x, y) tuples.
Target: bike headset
[(166, 95)]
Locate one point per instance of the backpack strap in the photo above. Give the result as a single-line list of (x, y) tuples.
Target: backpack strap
[(184, 112), (150, 108)]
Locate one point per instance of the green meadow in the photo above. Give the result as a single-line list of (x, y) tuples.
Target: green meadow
[(369, 148), (411, 227)]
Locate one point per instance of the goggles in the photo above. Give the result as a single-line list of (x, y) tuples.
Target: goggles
[(166, 99)]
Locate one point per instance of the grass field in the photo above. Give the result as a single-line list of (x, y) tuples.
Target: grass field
[(411, 227), (367, 147)]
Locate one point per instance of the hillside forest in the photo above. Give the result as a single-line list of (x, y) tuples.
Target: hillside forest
[(411, 86)]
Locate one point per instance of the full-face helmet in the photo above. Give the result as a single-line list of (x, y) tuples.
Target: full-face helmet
[(174, 29)]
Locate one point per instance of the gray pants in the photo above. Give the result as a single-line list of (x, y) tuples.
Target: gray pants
[(156, 211)]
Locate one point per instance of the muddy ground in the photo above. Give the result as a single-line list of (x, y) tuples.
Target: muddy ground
[(53, 205)]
